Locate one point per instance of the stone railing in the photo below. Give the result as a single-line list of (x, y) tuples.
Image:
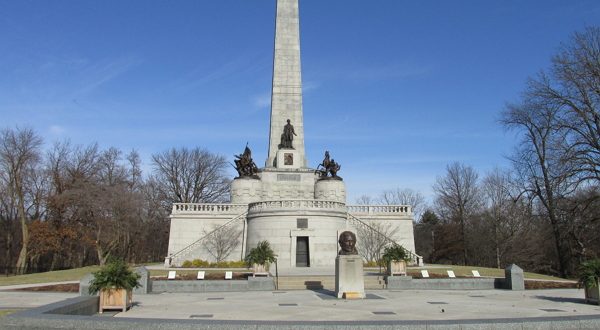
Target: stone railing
[(208, 208), (380, 209), (292, 204)]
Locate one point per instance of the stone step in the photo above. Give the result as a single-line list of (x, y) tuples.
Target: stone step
[(323, 282)]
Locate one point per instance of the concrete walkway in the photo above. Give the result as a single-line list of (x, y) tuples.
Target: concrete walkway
[(26, 300), (307, 305)]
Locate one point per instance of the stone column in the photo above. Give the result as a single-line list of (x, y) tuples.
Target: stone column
[(286, 97)]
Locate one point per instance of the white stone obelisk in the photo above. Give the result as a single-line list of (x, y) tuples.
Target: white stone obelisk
[(286, 97)]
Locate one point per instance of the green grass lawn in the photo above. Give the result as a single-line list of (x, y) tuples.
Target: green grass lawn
[(55, 276), (5, 312)]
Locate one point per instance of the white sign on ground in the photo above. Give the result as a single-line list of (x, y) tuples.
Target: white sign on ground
[(200, 275), (475, 273), (424, 273), (228, 275), (171, 276), (451, 274)]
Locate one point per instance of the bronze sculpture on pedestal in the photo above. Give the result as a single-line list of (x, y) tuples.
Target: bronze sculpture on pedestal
[(245, 166)]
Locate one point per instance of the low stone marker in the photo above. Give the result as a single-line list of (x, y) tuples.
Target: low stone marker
[(451, 274), (476, 273), (84, 285), (424, 273), (514, 278), (200, 275), (171, 275), (145, 283), (228, 275)]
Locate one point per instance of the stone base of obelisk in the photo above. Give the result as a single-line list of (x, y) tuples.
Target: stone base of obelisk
[(349, 277)]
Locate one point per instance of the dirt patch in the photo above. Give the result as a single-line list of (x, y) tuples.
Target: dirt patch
[(71, 287), (207, 276), (538, 285)]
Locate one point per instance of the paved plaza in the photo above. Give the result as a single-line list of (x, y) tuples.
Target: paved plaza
[(308, 305), (292, 309)]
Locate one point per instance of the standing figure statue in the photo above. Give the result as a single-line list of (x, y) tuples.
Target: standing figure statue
[(244, 164), (288, 136), (347, 243)]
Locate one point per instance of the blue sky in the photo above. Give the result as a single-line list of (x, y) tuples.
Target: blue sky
[(395, 89)]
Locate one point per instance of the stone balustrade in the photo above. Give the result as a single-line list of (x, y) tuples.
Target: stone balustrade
[(380, 209), (291, 204), (208, 208)]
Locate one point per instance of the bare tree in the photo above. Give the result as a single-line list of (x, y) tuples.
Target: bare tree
[(504, 212), (458, 198), (135, 171), (19, 158), (404, 197), (221, 241), (191, 176), (538, 161), (372, 240), (365, 200), (572, 88)]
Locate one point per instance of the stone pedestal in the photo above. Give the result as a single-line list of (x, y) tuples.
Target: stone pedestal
[(514, 279), (246, 190), (349, 277), (330, 189)]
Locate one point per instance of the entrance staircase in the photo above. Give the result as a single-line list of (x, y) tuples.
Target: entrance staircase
[(324, 282)]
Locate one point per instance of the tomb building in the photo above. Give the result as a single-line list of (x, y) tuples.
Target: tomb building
[(299, 210)]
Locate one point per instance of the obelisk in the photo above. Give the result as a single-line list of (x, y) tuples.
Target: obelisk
[(286, 95)]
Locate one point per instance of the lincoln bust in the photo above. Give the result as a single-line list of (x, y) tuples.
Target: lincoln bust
[(347, 243)]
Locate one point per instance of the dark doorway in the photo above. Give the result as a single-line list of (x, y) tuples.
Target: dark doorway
[(302, 255)]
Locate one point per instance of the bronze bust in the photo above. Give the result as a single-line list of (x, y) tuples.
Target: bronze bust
[(347, 243)]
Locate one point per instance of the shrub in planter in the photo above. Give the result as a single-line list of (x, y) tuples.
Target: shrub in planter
[(395, 257), (115, 281), (589, 275), (260, 257)]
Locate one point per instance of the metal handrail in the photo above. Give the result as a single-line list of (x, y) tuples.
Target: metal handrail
[(413, 255), (228, 223)]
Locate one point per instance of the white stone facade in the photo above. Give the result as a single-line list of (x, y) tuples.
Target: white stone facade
[(281, 222)]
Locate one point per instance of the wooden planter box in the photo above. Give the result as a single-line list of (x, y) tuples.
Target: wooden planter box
[(396, 268), (260, 270), (115, 299), (592, 295)]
